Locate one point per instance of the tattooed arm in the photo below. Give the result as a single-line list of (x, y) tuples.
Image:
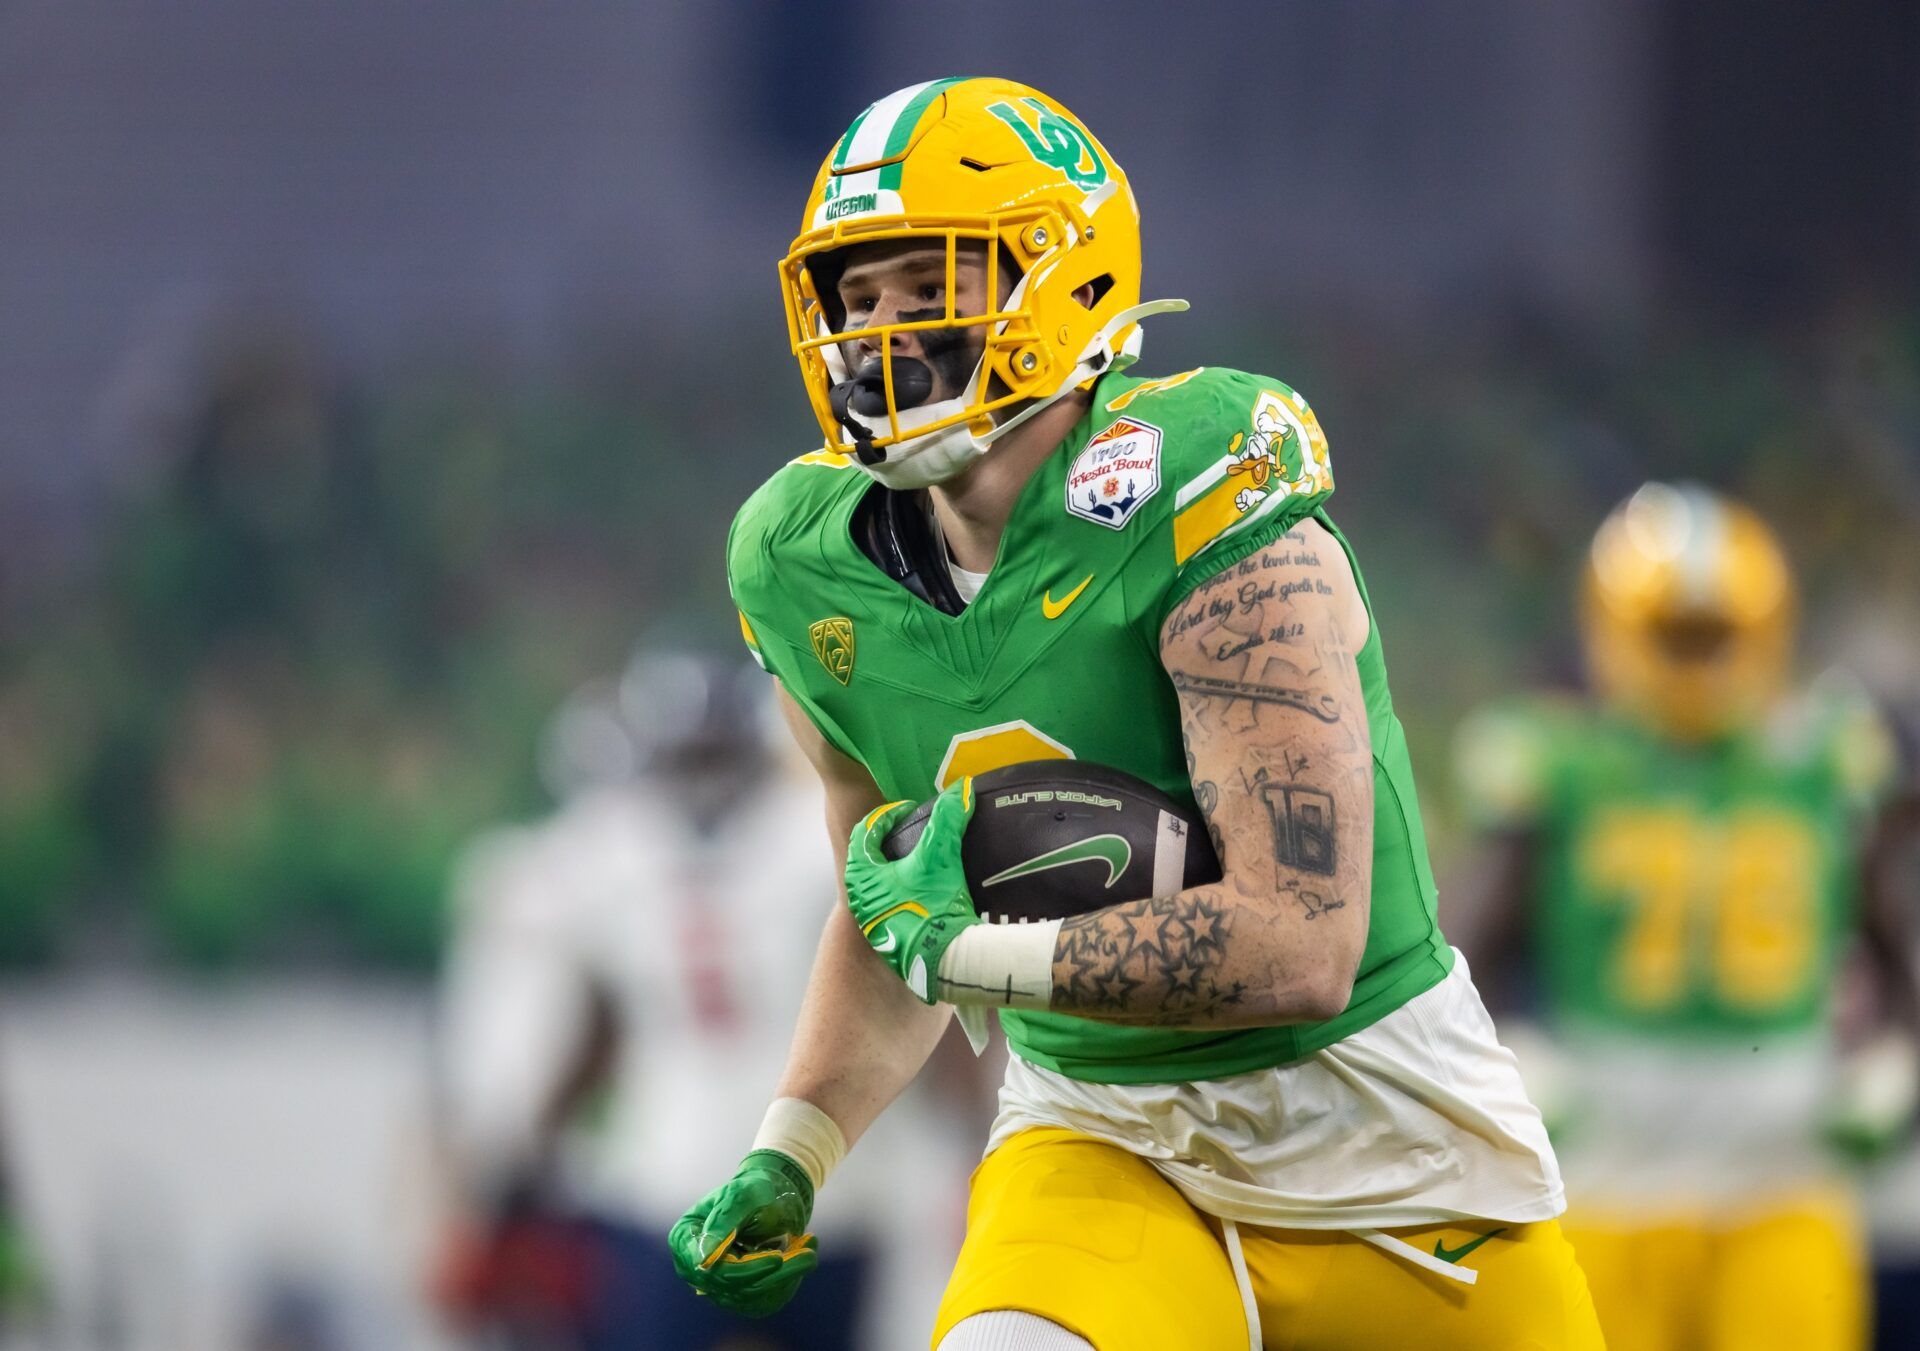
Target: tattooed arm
[(1278, 752)]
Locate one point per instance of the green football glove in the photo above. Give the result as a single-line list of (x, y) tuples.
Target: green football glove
[(910, 909), (745, 1245)]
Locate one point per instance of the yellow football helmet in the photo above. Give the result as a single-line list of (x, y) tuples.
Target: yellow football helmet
[(948, 162), (1689, 611)]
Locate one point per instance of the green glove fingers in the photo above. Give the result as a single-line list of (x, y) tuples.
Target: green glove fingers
[(947, 826), (744, 1245), (911, 909), (874, 827), (760, 1282)]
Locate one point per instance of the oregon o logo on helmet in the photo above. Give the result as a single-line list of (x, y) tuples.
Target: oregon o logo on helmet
[(1057, 143)]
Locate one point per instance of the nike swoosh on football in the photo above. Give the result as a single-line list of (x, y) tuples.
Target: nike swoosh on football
[(1441, 1252), (1052, 608), (1112, 850)]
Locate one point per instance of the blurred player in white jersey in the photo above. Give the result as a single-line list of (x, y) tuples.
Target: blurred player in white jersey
[(615, 1002)]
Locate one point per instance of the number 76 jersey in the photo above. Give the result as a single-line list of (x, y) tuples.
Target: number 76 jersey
[(1690, 889)]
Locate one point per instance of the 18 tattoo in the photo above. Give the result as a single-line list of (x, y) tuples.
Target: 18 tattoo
[(1262, 655)]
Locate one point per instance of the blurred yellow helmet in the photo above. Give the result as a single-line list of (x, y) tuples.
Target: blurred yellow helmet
[(981, 163), (1689, 611)]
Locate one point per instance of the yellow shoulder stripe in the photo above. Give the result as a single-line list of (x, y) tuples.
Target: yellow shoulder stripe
[(1206, 518), (1253, 479)]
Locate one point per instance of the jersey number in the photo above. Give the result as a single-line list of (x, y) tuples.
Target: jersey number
[(1746, 885)]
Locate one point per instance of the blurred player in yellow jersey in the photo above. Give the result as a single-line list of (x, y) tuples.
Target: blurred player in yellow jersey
[(1687, 857)]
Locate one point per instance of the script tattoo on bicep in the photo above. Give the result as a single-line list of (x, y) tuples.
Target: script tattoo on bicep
[(1261, 657)]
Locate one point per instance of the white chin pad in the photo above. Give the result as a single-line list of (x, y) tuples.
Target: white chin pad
[(919, 461)]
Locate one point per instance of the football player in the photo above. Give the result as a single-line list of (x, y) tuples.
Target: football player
[(620, 979), (1269, 1111), (1688, 855)]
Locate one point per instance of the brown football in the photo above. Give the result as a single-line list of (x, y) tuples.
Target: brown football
[(1054, 838)]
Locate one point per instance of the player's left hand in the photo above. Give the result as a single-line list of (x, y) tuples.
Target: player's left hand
[(911, 909), (744, 1245)]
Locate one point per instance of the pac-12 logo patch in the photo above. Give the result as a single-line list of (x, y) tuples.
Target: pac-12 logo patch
[(833, 644), (1117, 472)]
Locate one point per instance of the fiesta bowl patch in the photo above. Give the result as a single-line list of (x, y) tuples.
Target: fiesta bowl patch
[(1118, 471)]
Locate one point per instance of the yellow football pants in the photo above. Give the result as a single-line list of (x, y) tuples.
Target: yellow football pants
[(1095, 1239), (1792, 1276)]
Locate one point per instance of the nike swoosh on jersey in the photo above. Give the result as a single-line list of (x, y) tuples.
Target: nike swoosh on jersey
[(1112, 850), (1052, 608), (1455, 1254)]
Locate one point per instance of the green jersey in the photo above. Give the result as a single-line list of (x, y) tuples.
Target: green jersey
[(1697, 890), (1161, 484)]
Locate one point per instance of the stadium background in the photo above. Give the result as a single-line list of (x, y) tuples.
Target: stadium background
[(371, 376)]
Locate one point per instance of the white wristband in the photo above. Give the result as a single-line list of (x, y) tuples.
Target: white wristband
[(804, 1134), (1004, 965)]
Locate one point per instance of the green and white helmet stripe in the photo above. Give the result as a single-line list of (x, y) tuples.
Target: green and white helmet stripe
[(881, 132)]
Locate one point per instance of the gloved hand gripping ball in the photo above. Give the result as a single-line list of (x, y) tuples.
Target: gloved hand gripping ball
[(911, 909)]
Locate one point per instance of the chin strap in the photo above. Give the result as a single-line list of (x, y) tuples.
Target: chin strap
[(1130, 349)]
